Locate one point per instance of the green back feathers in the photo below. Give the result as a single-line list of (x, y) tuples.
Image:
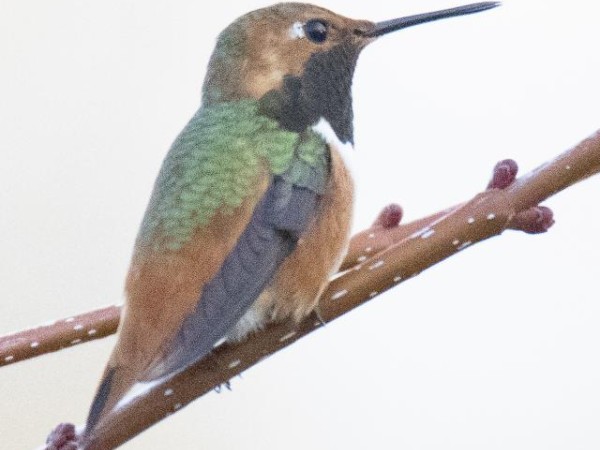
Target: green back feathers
[(214, 163)]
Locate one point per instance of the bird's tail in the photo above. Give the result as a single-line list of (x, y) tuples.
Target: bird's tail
[(116, 382)]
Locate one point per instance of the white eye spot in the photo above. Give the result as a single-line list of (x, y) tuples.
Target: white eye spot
[(369, 249), (371, 236), (177, 406), (471, 220), (397, 279), (9, 358), (35, 344), (568, 167), (75, 341), (373, 294), (455, 242), (491, 216), (78, 327), (169, 392), (361, 258), (297, 30), (92, 332)]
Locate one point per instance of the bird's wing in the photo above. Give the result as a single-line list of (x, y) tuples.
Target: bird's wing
[(212, 171), (298, 167), (270, 236)]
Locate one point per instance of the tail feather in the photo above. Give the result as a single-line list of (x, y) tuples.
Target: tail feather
[(100, 399), (116, 382)]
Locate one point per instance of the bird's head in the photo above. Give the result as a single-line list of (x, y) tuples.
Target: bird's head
[(300, 59)]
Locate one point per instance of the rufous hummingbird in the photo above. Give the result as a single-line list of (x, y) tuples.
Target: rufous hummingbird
[(251, 211)]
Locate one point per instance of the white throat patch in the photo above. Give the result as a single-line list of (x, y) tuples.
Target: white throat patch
[(346, 149)]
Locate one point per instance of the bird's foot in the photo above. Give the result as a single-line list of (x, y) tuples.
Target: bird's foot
[(227, 385)]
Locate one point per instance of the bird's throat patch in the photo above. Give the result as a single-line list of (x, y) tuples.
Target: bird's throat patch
[(323, 90)]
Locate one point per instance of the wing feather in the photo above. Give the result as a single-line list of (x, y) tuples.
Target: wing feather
[(271, 235)]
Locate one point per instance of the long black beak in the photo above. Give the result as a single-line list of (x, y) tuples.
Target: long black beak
[(403, 22)]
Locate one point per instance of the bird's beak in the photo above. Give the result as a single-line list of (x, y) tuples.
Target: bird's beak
[(388, 26)]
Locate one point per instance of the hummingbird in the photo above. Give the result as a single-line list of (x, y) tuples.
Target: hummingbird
[(251, 211)]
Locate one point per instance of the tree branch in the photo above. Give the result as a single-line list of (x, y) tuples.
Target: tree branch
[(61, 334), (379, 258)]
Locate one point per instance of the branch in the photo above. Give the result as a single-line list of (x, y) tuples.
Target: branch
[(379, 258), (58, 335)]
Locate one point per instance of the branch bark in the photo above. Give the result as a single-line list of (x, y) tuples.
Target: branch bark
[(379, 258)]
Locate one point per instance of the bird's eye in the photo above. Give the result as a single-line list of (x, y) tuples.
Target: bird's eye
[(316, 30)]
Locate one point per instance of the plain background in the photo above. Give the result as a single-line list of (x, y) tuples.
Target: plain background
[(496, 348)]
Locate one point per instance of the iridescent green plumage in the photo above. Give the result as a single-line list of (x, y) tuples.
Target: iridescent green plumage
[(214, 163)]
